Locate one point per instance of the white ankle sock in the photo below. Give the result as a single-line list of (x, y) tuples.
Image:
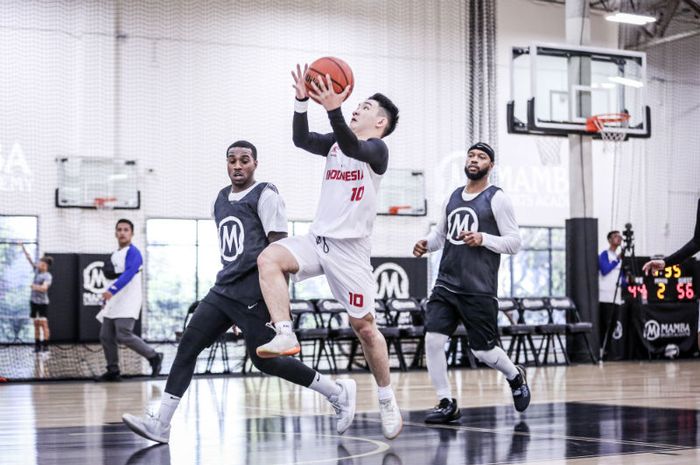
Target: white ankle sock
[(385, 393), (324, 385), (284, 327), (168, 405)]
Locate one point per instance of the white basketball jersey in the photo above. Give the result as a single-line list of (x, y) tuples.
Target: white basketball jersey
[(348, 203)]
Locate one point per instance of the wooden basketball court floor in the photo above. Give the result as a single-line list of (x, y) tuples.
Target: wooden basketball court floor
[(613, 413)]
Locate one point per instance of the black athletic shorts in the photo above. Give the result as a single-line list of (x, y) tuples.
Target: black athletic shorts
[(38, 310), (478, 313)]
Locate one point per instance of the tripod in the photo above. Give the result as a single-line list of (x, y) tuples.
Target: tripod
[(627, 248)]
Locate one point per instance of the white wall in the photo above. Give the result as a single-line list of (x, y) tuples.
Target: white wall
[(193, 77), (541, 193)]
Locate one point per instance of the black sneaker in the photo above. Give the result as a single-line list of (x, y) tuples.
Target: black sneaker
[(156, 363), (521, 391), (45, 346), (444, 412), (109, 377), (37, 347)]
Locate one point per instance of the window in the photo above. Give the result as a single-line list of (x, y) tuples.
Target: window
[(181, 266), (16, 276), (537, 270), (182, 261)]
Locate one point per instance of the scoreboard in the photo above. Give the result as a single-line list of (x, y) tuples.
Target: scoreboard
[(672, 284)]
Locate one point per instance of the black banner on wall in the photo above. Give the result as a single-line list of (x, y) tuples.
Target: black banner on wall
[(92, 283), (668, 329), (400, 277), (63, 295)]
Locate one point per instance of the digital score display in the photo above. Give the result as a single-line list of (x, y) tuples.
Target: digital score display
[(672, 284)]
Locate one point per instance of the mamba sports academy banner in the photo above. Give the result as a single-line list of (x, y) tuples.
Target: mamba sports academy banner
[(92, 283), (668, 329), (400, 278)]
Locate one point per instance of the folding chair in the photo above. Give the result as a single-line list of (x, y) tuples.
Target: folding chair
[(564, 311), (410, 319), (519, 332), (537, 312)]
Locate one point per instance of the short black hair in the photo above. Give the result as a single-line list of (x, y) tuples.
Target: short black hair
[(610, 234), (125, 221), (46, 259), (246, 145), (391, 110)]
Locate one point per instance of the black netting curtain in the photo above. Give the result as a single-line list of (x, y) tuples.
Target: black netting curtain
[(481, 71)]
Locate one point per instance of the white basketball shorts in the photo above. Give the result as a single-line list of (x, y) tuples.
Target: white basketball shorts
[(345, 262)]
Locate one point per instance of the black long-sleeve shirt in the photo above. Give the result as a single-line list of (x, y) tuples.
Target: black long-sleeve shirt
[(372, 151), (689, 249)]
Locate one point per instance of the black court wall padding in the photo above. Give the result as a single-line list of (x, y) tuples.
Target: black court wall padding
[(63, 295), (582, 280)]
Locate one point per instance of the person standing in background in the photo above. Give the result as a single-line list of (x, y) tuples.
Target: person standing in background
[(39, 300), (122, 306), (610, 282)]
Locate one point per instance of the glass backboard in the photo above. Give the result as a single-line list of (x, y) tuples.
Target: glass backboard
[(555, 88), (402, 192), (83, 180)]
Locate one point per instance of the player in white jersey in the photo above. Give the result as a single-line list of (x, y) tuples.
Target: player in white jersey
[(338, 244)]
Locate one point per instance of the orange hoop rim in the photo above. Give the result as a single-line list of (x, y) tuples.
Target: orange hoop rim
[(395, 209), (596, 123), (104, 203)]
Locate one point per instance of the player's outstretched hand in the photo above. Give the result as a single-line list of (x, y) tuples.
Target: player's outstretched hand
[(472, 239), (298, 85), (421, 248), (653, 265), (325, 94)]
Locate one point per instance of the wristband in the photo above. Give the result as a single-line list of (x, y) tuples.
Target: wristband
[(300, 106)]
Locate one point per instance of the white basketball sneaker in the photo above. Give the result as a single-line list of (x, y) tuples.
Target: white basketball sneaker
[(344, 404), (281, 344), (392, 423), (148, 426)]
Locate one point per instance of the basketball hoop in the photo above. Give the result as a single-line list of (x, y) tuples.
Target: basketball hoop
[(395, 209), (105, 203), (608, 125)]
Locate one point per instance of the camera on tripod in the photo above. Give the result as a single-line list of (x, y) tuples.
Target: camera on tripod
[(628, 240)]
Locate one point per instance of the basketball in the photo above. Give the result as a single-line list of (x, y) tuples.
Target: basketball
[(340, 72)]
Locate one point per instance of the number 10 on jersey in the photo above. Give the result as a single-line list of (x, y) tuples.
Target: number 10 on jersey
[(357, 193)]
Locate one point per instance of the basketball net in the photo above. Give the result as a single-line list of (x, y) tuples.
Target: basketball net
[(607, 126)]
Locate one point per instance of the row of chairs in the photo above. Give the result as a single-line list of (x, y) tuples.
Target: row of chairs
[(547, 317), (324, 331), (325, 326)]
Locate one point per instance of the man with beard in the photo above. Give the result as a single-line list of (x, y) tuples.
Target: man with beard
[(477, 224)]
